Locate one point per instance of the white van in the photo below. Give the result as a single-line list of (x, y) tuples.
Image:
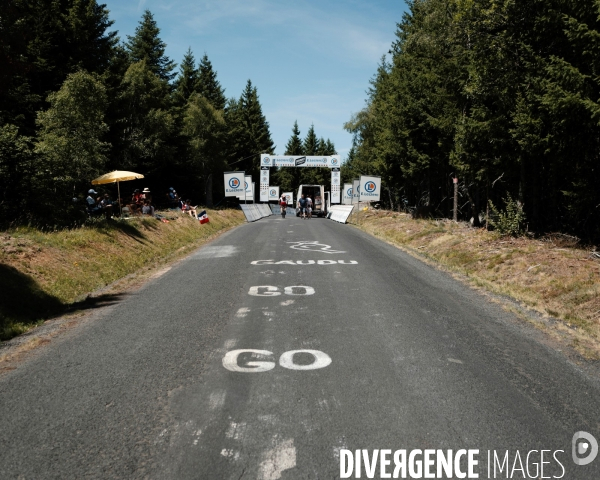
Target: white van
[(317, 194)]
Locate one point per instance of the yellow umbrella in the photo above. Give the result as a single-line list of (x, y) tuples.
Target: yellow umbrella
[(116, 177)]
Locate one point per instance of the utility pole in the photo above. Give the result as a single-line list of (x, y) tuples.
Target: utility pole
[(455, 214)]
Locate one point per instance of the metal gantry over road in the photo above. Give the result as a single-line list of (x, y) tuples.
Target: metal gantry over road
[(290, 349)]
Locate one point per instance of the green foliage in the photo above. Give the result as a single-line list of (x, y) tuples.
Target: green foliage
[(204, 126), (70, 145), (185, 83), (208, 86), (147, 46), (510, 221), (503, 95)]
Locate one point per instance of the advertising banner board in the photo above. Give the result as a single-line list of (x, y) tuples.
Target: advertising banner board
[(234, 184), (264, 184), (370, 188), (273, 193), (347, 195), (355, 190), (327, 161), (335, 185), (248, 185)]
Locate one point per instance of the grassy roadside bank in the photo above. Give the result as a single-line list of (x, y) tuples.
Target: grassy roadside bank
[(45, 274), (550, 275)]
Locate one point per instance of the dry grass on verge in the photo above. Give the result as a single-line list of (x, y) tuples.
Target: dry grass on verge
[(548, 274), (42, 274)]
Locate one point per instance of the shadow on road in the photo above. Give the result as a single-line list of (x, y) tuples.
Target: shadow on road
[(24, 303)]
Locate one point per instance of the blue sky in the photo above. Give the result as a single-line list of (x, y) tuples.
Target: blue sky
[(310, 60)]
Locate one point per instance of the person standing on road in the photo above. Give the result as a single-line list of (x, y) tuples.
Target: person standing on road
[(309, 204), (302, 206)]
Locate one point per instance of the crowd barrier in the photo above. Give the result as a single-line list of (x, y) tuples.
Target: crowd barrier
[(340, 213), (256, 211)]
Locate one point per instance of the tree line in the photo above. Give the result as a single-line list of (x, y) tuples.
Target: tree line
[(77, 102), (503, 95)]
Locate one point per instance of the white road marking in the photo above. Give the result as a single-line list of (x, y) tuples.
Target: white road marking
[(453, 360), (286, 303), (229, 453), (278, 459), (301, 262), (236, 430), (216, 400), (230, 361), (216, 252), (299, 290), (229, 344), (242, 312), (313, 246), (322, 360), (268, 314), (264, 291)]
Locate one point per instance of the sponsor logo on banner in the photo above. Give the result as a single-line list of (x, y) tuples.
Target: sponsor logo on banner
[(273, 192), (234, 183), (334, 161), (349, 192), (370, 190), (300, 161), (266, 161)]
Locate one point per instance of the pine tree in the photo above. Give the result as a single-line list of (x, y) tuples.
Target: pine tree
[(294, 145), (185, 83), (256, 136), (147, 45), (311, 143), (208, 86)]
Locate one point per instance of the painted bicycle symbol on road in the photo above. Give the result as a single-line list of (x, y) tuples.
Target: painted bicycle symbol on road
[(313, 246)]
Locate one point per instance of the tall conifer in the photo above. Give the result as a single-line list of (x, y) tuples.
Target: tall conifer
[(208, 86), (147, 45)]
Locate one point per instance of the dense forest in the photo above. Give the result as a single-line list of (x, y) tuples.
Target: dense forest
[(77, 102), (503, 95)]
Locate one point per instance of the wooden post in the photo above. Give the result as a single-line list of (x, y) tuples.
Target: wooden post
[(455, 213)]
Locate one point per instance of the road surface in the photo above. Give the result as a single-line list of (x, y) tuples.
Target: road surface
[(197, 375)]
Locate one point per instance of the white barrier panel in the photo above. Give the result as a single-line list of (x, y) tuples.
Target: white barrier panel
[(256, 211), (340, 213)]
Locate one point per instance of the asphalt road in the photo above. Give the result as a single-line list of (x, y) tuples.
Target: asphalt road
[(394, 355)]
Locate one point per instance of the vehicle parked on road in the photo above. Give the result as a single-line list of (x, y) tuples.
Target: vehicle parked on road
[(317, 194)]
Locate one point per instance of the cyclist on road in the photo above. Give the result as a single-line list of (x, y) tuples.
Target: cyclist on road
[(283, 204), (309, 204)]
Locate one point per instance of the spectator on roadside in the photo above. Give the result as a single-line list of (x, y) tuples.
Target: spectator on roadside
[(106, 204), (92, 205), (137, 197), (187, 208), (173, 199), (147, 209), (147, 195)]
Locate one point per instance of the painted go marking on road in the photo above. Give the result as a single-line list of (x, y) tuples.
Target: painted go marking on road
[(286, 360), (272, 291)]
